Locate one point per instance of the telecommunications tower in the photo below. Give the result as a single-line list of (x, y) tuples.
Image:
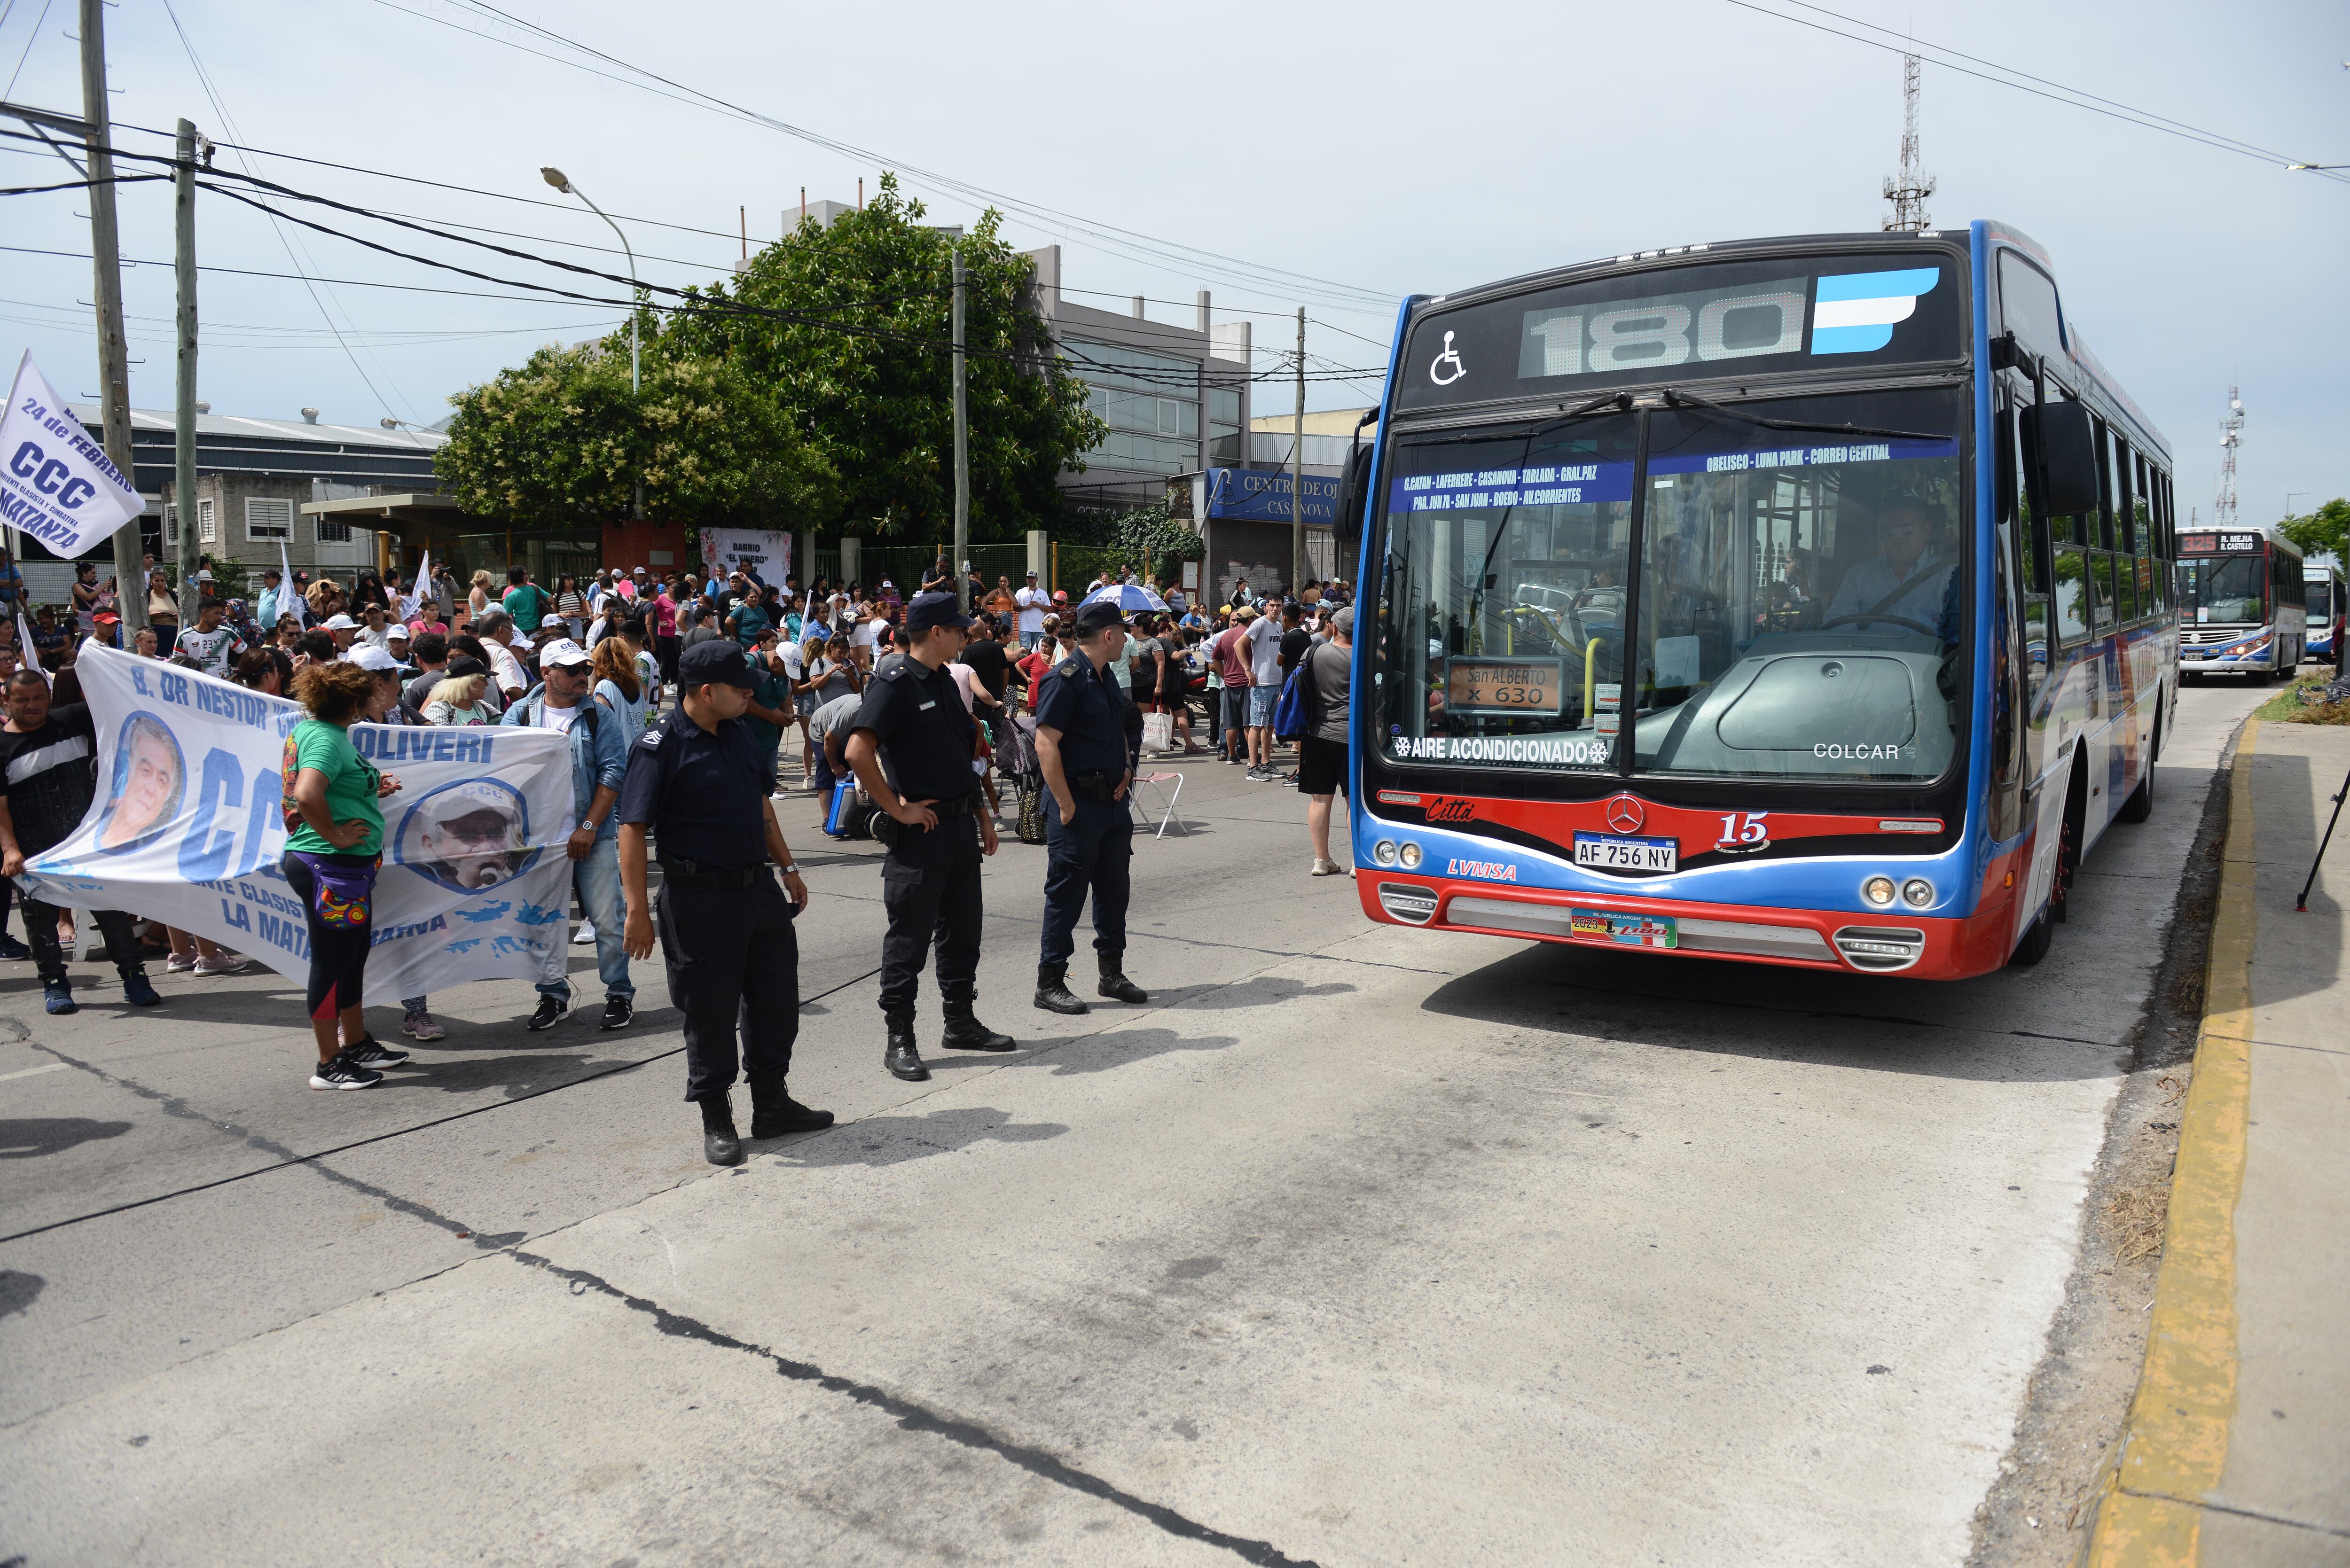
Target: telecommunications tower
[(1908, 193), (2232, 436)]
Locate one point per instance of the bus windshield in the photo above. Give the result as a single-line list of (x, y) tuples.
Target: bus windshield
[(2224, 591), (1798, 607)]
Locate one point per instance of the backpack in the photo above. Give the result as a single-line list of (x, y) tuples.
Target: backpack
[(1289, 715)]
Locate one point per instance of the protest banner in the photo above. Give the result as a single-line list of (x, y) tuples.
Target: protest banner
[(187, 828), (769, 555), (56, 482)]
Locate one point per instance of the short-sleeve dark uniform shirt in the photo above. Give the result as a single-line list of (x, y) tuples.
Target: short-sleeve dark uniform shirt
[(702, 792), (1090, 710), (917, 717)]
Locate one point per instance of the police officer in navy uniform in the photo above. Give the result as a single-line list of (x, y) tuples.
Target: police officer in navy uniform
[(695, 782), (1088, 732), (912, 749)]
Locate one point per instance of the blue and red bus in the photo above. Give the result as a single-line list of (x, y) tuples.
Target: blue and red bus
[(1801, 601), (2240, 598)]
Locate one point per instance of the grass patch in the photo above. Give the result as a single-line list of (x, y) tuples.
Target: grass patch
[(2298, 705)]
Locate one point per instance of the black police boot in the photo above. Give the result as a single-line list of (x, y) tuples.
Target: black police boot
[(720, 1144), (903, 1060), (775, 1113), (1114, 982), (1053, 992), (965, 1033)]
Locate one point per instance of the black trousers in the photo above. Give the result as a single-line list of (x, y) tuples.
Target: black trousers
[(1088, 855), (734, 964), (50, 954), (929, 885)]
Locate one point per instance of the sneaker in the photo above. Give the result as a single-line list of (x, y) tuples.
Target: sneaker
[(550, 1013), (420, 1026), (1325, 868), (139, 992), (1289, 781), (227, 964), (585, 933), (11, 948), (57, 995), (618, 1012), (179, 963), (342, 1073), (374, 1056)]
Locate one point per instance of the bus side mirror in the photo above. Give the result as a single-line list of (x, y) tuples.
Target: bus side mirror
[(2064, 446), (1354, 493)]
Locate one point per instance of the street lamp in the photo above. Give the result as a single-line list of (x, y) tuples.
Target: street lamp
[(557, 178)]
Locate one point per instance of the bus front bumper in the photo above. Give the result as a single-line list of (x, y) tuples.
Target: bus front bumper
[(1887, 942)]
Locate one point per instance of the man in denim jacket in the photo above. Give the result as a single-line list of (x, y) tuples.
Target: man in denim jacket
[(599, 760)]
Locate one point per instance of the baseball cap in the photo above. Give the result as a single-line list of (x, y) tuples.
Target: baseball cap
[(492, 803), (1246, 612), (887, 584), (368, 655), (563, 651), (341, 623), (465, 665), (715, 663), (1031, 571), (934, 609), (1100, 616), (398, 630), (104, 617), (1344, 621)]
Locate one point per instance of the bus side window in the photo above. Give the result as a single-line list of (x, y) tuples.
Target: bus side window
[(2071, 593), (2028, 540), (2126, 537), (2103, 538)]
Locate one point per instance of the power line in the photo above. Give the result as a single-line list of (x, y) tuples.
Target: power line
[(2071, 97)]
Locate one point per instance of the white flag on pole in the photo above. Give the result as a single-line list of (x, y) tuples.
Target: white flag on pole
[(300, 607), (56, 483)]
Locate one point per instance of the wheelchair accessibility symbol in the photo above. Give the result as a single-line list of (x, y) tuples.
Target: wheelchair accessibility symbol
[(1436, 370)]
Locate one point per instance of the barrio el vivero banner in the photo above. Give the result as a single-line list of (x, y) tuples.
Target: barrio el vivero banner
[(56, 483), (187, 828)]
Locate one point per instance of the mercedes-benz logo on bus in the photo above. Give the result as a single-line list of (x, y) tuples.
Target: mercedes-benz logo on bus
[(1624, 815)]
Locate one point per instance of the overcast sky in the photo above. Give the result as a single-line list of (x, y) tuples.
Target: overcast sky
[(1376, 151)]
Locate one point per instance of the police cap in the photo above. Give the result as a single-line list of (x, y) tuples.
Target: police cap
[(1100, 616), (715, 663), (934, 609)]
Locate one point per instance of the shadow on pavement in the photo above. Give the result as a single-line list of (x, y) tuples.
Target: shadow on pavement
[(37, 1135), (879, 1141), (1753, 1009)]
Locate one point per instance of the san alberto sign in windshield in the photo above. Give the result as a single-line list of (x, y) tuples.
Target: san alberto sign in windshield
[(1694, 322)]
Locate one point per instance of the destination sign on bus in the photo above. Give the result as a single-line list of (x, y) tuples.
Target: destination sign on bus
[(1572, 485), (1511, 685), (2218, 543), (1690, 322)]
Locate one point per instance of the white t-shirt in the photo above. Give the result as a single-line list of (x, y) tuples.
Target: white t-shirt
[(1032, 603), (1263, 636), (211, 648), (558, 720), (507, 667)]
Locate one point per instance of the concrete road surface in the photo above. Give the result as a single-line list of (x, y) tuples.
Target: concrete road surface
[(1355, 1245)]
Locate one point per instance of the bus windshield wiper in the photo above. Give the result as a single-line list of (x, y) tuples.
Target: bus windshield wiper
[(1614, 402), (1677, 399)]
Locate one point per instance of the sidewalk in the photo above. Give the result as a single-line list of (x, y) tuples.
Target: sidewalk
[(2238, 1446)]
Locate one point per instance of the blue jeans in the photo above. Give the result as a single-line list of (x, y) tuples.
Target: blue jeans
[(597, 878)]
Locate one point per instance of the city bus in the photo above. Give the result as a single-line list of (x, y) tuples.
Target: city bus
[(2321, 609), (2240, 604), (1796, 601)]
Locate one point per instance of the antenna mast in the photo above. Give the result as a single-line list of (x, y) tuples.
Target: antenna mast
[(1909, 195), (2232, 436)]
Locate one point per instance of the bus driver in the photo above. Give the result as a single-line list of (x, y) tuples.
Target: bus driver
[(1904, 582)]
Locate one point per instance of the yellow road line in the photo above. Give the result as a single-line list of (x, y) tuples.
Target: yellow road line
[(2176, 1443)]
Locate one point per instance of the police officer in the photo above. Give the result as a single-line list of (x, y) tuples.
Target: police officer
[(912, 749), (726, 935), (1086, 735)]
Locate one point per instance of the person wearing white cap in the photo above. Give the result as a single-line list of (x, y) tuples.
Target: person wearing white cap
[(599, 762), (1032, 603), (342, 628)]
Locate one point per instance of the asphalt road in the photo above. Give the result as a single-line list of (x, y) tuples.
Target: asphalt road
[(1355, 1245)]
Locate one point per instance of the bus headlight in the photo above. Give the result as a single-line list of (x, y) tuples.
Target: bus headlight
[(1409, 856), (1879, 891), (1917, 892), (1384, 852)]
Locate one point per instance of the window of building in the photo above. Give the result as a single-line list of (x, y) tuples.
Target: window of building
[(267, 519), (207, 525), (333, 533)]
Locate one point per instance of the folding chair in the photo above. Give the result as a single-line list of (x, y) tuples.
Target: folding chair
[(1158, 783)]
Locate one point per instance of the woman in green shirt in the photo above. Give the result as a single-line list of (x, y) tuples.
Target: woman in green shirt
[(334, 841)]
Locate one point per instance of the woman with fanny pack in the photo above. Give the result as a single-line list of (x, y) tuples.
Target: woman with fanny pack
[(334, 841)]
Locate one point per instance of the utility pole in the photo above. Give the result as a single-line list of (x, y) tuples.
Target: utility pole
[(113, 354), (1297, 470), (1909, 196), (183, 421), (962, 452)]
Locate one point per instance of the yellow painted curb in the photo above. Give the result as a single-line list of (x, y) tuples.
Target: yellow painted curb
[(2176, 1442)]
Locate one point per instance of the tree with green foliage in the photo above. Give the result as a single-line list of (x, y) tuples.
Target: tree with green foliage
[(563, 441), (2328, 528), (850, 324)]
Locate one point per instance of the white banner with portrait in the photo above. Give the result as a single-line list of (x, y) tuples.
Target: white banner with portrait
[(187, 827), (769, 555)]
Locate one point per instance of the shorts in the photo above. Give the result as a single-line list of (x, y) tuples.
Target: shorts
[(1261, 701), (1321, 767), (1235, 707)]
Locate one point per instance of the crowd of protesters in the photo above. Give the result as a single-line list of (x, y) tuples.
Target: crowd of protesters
[(592, 658)]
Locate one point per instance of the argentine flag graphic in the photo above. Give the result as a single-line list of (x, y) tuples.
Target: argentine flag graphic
[(1855, 311)]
